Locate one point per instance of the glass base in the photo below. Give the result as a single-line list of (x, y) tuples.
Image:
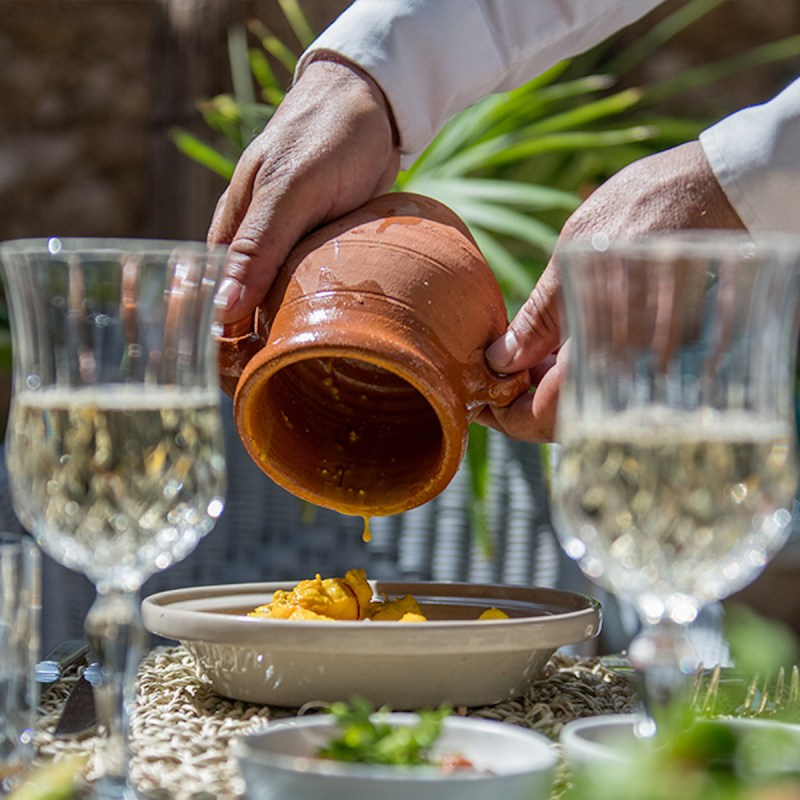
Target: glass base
[(659, 653)]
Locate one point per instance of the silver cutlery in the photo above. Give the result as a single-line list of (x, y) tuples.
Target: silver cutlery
[(58, 661)]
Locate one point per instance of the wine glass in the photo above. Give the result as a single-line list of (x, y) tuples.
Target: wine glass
[(114, 443), (677, 466)]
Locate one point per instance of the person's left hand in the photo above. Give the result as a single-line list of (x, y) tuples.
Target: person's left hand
[(328, 149), (673, 190)]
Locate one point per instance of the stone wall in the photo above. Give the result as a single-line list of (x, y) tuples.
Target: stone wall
[(75, 100), (90, 88), (88, 92)]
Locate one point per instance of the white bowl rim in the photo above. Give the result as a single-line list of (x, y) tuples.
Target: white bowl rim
[(580, 750), (164, 616), (246, 746), (572, 736)]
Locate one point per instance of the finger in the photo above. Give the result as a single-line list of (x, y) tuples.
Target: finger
[(229, 212), (538, 371), (234, 201), (531, 417), (274, 222), (534, 332)]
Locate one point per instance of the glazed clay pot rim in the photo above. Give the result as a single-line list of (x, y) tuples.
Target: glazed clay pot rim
[(443, 402), (426, 376)]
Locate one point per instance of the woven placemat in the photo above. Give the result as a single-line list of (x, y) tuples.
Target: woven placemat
[(182, 730)]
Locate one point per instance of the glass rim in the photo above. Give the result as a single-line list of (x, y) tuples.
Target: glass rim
[(694, 242), (88, 246)]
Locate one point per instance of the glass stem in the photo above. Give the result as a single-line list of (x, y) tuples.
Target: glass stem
[(117, 637), (660, 653)]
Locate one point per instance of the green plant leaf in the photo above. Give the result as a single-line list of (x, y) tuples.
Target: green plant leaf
[(515, 278), (496, 191), (262, 71), (659, 34), (254, 118), (461, 130), (223, 115), (502, 114), (708, 73), (478, 462), (202, 153), (298, 22), (507, 221), (367, 739), (508, 150), (759, 646), (527, 107), (586, 113), (274, 46), (240, 65)]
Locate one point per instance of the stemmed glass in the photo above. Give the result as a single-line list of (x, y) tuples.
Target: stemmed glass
[(677, 467), (114, 443)]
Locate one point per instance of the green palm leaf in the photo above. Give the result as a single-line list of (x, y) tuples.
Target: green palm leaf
[(511, 149), (708, 73), (203, 153), (496, 191), (513, 276)]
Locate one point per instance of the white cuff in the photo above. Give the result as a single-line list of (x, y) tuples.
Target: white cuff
[(433, 58), (755, 154)]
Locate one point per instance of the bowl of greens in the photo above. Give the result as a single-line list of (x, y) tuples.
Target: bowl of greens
[(355, 754)]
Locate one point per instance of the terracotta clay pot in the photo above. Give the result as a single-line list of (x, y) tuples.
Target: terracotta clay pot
[(355, 382)]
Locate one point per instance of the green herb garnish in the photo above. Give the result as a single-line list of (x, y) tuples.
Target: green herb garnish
[(367, 739)]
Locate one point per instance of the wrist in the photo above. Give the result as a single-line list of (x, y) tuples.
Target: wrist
[(334, 68)]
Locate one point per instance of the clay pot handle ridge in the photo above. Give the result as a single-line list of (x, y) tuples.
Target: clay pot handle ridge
[(489, 388)]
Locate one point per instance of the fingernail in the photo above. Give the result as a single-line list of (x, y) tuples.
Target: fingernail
[(502, 352), (228, 294)]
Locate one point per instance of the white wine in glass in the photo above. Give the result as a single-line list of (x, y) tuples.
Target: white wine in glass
[(114, 443), (678, 461)]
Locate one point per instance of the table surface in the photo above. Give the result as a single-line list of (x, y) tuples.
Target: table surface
[(181, 730)]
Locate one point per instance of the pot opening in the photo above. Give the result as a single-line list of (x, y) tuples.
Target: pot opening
[(348, 434)]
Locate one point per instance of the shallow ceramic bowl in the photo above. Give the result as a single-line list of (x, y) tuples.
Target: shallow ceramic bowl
[(609, 740), (510, 762), (606, 739), (452, 658)]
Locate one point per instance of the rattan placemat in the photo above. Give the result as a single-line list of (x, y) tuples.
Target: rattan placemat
[(182, 730)]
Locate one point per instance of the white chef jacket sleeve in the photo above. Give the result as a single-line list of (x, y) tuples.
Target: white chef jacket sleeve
[(433, 58), (755, 154)]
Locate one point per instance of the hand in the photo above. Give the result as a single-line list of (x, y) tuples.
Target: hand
[(673, 190), (328, 149)]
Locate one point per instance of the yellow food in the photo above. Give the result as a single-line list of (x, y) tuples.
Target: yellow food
[(404, 609), (493, 613), (349, 598)]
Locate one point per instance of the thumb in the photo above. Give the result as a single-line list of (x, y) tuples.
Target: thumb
[(535, 331)]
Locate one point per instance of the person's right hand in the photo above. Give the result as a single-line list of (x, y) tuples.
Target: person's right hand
[(328, 149), (669, 191)]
